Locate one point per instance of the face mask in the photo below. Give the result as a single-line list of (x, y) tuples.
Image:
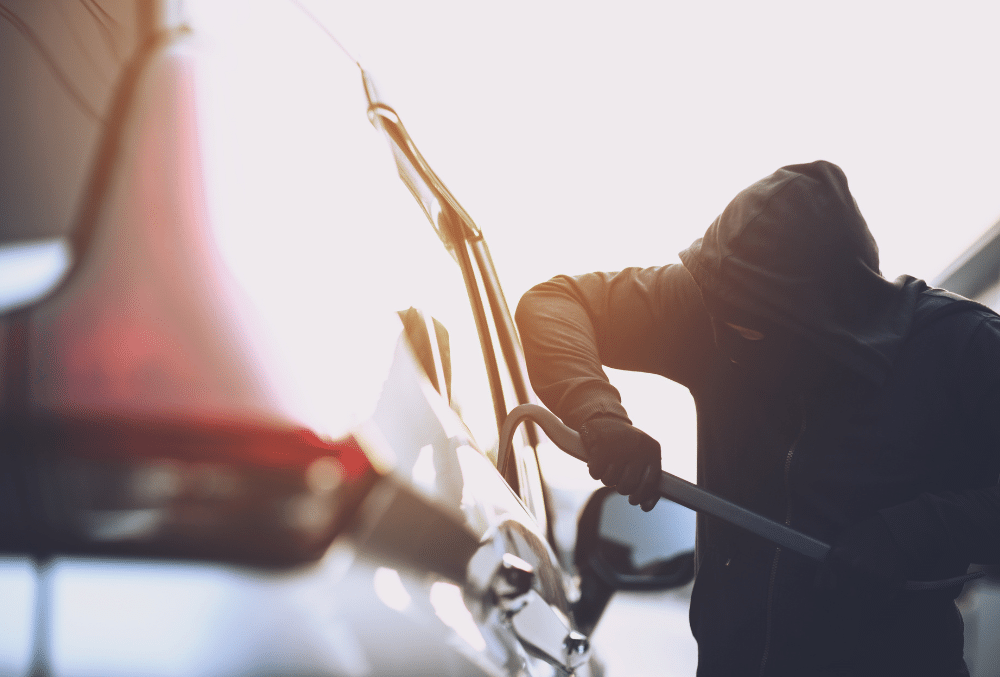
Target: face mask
[(739, 349), (780, 359)]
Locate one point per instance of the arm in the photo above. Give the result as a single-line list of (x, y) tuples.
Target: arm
[(649, 320)]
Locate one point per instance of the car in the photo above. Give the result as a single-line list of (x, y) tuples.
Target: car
[(243, 437)]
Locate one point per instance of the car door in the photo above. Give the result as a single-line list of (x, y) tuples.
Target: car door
[(541, 618)]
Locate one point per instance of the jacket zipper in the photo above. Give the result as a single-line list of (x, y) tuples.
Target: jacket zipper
[(777, 550)]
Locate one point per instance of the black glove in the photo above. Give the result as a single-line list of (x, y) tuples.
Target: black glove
[(623, 457), (865, 559)]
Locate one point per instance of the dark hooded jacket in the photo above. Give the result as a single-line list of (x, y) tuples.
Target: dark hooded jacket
[(903, 425)]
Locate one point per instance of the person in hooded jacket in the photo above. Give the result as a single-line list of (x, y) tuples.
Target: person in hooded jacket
[(863, 412)]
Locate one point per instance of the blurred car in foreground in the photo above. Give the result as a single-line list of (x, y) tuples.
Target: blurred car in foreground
[(235, 449)]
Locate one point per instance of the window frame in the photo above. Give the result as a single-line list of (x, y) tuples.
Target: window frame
[(464, 240)]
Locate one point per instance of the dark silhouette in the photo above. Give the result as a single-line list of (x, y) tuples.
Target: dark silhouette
[(862, 411)]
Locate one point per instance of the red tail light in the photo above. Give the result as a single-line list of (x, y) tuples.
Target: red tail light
[(191, 491)]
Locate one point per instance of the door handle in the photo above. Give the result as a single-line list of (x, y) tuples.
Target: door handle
[(545, 633), (542, 629)]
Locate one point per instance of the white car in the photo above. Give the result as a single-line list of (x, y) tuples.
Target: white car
[(237, 451)]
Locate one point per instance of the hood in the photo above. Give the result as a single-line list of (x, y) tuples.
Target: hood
[(793, 250)]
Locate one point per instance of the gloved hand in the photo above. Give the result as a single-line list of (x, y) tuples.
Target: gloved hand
[(623, 457), (865, 559)]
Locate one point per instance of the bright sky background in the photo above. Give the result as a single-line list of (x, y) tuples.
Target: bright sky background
[(615, 132), (584, 136)]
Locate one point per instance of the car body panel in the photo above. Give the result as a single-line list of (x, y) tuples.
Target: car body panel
[(333, 618)]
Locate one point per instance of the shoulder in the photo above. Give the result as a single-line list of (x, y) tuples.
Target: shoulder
[(933, 302), (961, 337), (943, 312), (947, 333), (950, 359)]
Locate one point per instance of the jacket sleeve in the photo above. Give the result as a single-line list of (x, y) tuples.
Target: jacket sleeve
[(639, 319), (964, 523)]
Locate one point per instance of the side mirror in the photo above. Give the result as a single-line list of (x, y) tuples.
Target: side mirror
[(619, 547)]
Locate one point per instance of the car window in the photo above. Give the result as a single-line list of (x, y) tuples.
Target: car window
[(494, 324), (313, 221)]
